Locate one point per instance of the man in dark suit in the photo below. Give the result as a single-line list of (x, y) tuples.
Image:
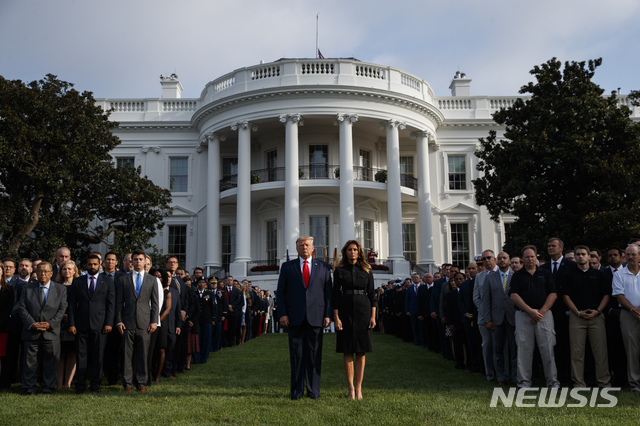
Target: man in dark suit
[(136, 318), (92, 307), (234, 319), (304, 304), (429, 329), (411, 309), (14, 340), (559, 267), (501, 320), (206, 299), (180, 351), (112, 352), (469, 314), (434, 306), (41, 308)]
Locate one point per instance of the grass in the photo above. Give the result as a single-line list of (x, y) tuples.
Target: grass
[(249, 385)]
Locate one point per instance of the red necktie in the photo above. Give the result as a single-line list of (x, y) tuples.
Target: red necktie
[(305, 274)]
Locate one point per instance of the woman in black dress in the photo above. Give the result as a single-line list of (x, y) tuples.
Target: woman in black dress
[(354, 313)]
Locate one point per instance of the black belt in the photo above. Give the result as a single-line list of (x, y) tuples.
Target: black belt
[(355, 292)]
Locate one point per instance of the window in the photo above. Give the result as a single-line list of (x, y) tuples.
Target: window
[(272, 242), (319, 230), (508, 231), (460, 244), (318, 159), (229, 167), (457, 172), (409, 243), (125, 161), (367, 235), (179, 174), (228, 245), (178, 243), (272, 163), (406, 172), (364, 164)]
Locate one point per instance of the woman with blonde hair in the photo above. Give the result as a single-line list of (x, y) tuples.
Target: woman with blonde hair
[(246, 311), (67, 271), (354, 312)]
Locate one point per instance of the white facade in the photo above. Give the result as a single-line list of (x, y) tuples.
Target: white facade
[(290, 124)]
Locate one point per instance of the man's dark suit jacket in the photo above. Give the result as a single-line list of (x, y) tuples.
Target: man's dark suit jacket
[(183, 291), (434, 303), (235, 300), (30, 310), (16, 322), (465, 299), (424, 296), (297, 302), (411, 300), (559, 308), (133, 311), (92, 312)]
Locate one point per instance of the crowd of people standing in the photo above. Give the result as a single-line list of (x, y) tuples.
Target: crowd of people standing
[(506, 316), (132, 325)]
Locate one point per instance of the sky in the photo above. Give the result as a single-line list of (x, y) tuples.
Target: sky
[(119, 48)]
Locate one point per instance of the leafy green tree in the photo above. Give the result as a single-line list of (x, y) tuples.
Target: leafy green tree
[(60, 179), (568, 164)]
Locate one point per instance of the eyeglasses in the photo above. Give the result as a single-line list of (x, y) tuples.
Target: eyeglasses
[(44, 272), (487, 258)]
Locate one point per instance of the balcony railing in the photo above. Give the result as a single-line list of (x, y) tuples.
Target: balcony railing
[(267, 175), (319, 171), (263, 267), (408, 181)]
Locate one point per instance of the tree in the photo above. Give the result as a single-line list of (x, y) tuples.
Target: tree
[(59, 176), (568, 165)]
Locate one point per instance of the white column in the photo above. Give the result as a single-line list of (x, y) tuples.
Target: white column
[(291, 180), (243, 203), (347, 203), (213, 256), (394, 200), (425, 238)]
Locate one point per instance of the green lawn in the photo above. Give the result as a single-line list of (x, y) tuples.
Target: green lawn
[(249, 385)]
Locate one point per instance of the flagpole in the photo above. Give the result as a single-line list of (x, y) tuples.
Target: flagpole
[(317, 13)]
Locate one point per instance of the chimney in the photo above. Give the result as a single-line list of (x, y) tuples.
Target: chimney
[(460, 85), (171, 87)]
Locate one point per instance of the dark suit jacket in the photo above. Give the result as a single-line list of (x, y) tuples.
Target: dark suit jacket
[(207, 307), (183, 292), (434, 304), (174, 319), (559, 308), (236, 301), (133, 311), (30, 310), (422, 304), (411, 300), (91, 313), (496, 303), (297, 302), (465, 299), (16, 322)]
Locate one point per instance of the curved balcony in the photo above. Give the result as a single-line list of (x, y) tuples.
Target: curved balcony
[(319, 171)]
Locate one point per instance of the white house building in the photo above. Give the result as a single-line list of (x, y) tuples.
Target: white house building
[(333, 148)]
